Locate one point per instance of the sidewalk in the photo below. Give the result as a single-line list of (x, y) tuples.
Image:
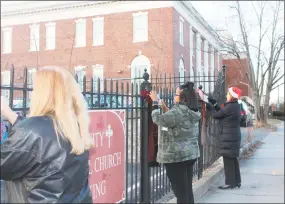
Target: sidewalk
[(262, 175)]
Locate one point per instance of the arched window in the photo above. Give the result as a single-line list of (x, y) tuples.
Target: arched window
[(138, 65), (181, 71), (80, 72), (192, 73)]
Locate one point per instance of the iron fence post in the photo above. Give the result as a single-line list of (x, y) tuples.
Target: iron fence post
[(200, 159), (145, 182), (224, 83)]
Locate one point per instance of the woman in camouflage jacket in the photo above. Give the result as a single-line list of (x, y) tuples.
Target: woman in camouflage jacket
[(178, 147)]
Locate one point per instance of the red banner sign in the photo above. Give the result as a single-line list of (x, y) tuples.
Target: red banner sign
[(107, 158)]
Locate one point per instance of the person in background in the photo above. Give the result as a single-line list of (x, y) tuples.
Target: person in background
[(4, 131), (178, 147), (230, 138), (45, 157)]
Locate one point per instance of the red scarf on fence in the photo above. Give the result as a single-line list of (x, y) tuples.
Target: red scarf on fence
[(204, 127), (152, 132)]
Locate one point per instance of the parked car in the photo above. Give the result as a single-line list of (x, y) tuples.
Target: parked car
[(102, 103), (246, 115), (21, 105)]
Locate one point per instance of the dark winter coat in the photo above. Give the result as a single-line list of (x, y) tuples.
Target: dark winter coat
[(230, 138), (36, 169)]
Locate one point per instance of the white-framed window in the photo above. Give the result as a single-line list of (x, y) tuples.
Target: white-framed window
[(181, 71), (80, 33), (30, 77), (193, 43), (98, 31), (181, 31), (140, 27), (7, 40), (50, 36), (98, 73), (35, 37), (80, 72), (5, 82)]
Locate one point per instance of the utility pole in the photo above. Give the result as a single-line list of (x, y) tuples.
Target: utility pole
[(278, 92)]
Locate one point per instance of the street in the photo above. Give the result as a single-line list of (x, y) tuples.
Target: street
[(262, 175)]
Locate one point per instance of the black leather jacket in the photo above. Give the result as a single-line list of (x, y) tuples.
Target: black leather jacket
[(36, 169)]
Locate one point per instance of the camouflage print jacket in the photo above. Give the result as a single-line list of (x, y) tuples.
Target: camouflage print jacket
[(178, 140)]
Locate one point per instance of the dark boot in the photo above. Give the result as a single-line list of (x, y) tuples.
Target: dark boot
[(238, 185), (226, 187)]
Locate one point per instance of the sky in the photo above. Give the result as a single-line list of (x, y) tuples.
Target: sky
[(220, 16), (217, 13)]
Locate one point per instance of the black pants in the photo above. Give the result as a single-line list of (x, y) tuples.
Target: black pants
[(180, 176), (232, 171)]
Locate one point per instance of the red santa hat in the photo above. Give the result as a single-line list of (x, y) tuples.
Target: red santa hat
[(235, 92)]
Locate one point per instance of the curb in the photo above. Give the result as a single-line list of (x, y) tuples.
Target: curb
[(202, 186)]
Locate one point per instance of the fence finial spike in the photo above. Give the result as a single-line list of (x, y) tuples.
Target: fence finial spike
[(145, 75)]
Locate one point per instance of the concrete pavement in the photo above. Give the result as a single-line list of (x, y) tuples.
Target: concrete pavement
[(262, 175)]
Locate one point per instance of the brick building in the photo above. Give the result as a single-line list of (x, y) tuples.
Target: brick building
[(236, 73), (108, 39)]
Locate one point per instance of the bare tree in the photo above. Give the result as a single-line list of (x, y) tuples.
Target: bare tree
[(159, 44), (35, 44), (263, 75), (71, 37)]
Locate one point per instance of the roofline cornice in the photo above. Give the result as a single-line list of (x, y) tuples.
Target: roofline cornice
[(200, 19), (52, 8)]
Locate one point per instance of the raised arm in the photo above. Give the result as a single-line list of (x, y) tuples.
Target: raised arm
[(168, 119), (18, 153)]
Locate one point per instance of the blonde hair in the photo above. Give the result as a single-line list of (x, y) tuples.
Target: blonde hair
[(57, 94)]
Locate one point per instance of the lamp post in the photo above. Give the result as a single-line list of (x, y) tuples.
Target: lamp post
[(278, 91)]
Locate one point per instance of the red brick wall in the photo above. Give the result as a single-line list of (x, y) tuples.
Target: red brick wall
[(235, 73), (116, 54), (179, 50)]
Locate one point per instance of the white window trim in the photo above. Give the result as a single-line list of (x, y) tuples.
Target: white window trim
[(96, 20), (136, 15), (98, 66), (181, 40), (37, 45), (181, 19), (7, 29), (181, 68), (81, 20), (193, 39), (140, 14), (50, 25), (6, 93), (31, 70), (78, 69), (7, 72)]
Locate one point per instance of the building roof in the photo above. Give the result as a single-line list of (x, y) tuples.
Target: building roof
[(31, 7), (12, 12)]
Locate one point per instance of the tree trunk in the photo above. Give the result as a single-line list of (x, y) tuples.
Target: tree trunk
[(257, 106), (266, 104)]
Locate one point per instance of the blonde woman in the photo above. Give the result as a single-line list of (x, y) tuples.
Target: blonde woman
[(45, 158)]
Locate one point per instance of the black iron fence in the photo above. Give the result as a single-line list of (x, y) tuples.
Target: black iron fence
[(146, 181)]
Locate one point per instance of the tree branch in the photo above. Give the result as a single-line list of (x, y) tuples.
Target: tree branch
[(277, 80)]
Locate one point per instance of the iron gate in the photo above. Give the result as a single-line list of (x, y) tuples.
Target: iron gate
[(146, 181)]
